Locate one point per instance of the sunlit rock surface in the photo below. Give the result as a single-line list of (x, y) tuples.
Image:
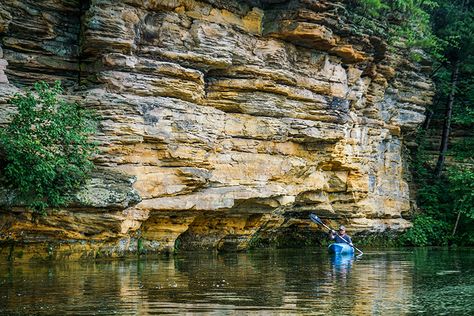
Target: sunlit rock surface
[(221, 121)]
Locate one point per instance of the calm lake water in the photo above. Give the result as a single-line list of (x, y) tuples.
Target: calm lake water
[(263, 282)]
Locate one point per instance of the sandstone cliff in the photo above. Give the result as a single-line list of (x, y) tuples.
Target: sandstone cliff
[(221, 120)]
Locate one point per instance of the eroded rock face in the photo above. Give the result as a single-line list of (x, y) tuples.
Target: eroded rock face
[(220, 120)]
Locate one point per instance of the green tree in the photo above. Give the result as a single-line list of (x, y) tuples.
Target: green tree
[(404, 20), (47, 147), (445, 187), (444, 176), (453, 21)]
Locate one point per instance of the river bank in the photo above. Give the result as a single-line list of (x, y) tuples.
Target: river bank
[(25, 253)]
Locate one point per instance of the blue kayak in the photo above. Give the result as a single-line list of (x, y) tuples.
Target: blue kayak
[(340, 248)]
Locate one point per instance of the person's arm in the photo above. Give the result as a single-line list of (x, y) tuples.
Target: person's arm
[(348, 239), (332, 234)]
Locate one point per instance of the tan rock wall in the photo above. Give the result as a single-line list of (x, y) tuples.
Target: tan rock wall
[(222, 121)]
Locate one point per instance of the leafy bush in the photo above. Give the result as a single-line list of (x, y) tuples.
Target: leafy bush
[(442, 200), (426, 231), (462, 187), (47, 147)]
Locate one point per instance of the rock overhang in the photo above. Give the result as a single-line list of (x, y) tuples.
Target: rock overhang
[(232, 117)]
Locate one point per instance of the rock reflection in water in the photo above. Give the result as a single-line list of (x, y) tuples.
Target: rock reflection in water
[(276, 282)]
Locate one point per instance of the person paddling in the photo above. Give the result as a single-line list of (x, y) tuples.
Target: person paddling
[(340, 236)]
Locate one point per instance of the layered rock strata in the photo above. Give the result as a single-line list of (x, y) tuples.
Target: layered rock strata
[(221, 121)]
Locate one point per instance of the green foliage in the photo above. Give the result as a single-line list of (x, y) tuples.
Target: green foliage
[(441, 199), (408, 21), (373, 7), (445, 29), (464, 116), (47, 147), (141, 250), (453, 21), (375, 240), (462, 188), (426, 231)]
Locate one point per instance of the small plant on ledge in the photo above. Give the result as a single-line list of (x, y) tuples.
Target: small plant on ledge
[(46, 147)]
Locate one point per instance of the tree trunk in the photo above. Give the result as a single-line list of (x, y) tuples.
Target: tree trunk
[(443, 148), (457, 222), (426, 123)]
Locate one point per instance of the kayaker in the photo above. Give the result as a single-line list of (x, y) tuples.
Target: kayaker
[(340, 236)]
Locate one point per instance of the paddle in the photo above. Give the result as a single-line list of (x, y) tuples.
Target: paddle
[(317, 220)]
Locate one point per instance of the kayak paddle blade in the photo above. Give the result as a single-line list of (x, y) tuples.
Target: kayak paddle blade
[(315, 219)]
